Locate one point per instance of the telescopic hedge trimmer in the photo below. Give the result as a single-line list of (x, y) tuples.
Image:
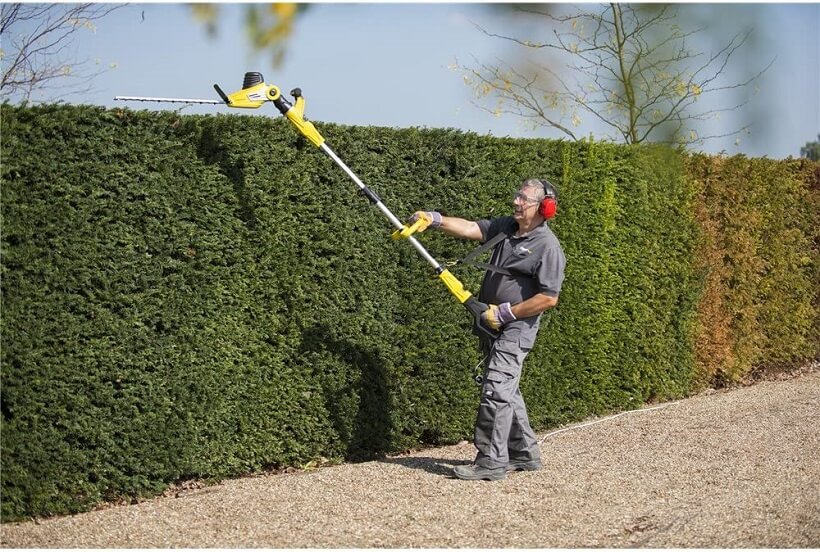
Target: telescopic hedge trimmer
[(254, 93)]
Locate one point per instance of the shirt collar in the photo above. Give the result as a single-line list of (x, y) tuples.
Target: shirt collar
[(535, 231)]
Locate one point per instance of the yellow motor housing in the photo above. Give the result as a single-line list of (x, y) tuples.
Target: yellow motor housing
[(253, 97)]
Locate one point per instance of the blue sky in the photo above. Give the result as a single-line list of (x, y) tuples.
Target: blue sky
[(389, 65)]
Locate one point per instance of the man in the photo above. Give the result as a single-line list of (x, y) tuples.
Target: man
[(534, 263)]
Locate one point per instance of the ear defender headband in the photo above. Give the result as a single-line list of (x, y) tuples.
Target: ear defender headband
[(549, 204)]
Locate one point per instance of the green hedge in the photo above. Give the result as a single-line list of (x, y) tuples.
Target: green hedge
[(201, 297)]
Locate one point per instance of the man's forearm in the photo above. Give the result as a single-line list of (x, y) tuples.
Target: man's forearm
[(460, 228), (534, 306)]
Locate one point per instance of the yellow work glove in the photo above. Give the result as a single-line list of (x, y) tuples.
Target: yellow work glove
[(431, 218), (497, 315)]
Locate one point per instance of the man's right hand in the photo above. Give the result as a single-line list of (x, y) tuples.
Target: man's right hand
[(497, 316), (433, 218)]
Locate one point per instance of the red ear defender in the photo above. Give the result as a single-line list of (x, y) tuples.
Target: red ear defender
[(549, 205), (548, 208)]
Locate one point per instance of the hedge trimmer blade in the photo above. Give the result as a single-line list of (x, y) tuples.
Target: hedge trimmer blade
[(167, 100)]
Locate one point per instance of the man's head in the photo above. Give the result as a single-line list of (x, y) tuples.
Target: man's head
[(529, 208)]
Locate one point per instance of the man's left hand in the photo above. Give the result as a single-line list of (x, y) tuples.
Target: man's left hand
[(497, 315)]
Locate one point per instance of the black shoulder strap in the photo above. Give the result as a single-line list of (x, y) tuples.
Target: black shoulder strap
[(501, 236)]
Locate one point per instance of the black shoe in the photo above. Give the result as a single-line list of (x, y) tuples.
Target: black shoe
[(524, 465), (475, 473)]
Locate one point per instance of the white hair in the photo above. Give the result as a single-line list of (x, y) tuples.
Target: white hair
[(536, 185)]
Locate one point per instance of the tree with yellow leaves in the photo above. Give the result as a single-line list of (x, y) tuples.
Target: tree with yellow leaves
[(268, 26), (630, 67)]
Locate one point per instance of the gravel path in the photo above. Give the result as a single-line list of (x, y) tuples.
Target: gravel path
[(727, 469)]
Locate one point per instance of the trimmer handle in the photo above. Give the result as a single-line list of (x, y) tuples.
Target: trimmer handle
[(476, 308)]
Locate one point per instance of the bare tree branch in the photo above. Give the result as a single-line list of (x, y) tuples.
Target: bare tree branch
[(629, 67), (36, 39)]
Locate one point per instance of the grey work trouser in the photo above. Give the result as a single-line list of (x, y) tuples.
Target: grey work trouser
[(502, 429)]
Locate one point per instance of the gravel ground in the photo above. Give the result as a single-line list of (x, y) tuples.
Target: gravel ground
[(727, 469)]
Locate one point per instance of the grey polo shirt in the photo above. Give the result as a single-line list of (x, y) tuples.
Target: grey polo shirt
[(536, 261)]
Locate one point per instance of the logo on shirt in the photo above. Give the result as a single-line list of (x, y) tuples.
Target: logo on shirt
[(523, 249)]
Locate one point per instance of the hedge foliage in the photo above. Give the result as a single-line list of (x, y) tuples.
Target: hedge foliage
[(760, 239), (201, 297)]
